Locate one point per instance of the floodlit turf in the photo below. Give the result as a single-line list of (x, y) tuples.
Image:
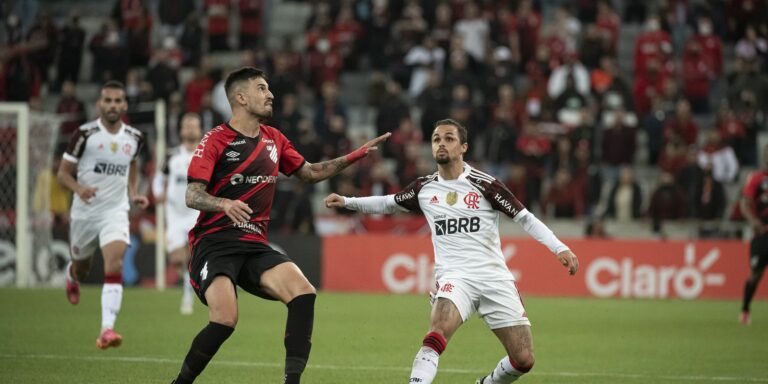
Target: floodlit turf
[(372, 339)]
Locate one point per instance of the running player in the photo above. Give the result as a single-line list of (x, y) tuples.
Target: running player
[(232, 181), (462, 206), (170, 187), (754, 207), (100, 167)]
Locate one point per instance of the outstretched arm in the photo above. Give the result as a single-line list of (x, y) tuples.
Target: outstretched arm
[(371, 204), (313, 173), (544, 235)]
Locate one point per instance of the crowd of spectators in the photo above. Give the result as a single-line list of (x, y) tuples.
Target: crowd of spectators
[(552, 106)]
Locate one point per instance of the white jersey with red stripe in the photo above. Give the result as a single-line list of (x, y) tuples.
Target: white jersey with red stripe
[(103, 161)]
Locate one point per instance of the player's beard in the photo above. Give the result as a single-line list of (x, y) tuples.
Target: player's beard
[(442, 160), (112, 117)]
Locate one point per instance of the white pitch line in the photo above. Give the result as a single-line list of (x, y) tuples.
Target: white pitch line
[(163, 360)]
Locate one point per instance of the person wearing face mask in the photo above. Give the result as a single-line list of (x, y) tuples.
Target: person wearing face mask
[(169, 187), (654, 44)]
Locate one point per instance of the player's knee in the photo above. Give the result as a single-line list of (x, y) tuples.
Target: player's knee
[(523, 361), (223, 318)]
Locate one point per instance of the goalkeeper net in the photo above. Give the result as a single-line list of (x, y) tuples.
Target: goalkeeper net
[(28, 253)]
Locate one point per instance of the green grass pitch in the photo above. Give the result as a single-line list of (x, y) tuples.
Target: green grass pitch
[(362, 338)]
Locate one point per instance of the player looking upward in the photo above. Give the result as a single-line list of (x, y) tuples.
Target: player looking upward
[(462, 206), (754, 207), (100, 167), (170, 187), (232, 181)]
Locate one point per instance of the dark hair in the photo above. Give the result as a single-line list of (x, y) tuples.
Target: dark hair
[(239, 75), (113, 84), (459, 127)]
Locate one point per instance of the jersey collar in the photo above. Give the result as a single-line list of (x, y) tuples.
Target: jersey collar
[(463, 175), (119, 131)]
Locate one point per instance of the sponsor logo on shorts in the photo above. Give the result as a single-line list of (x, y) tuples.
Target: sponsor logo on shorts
[(447, 287)]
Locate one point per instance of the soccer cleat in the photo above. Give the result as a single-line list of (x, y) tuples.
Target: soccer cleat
[(109, 338), (480, 380), (744, 318), (73, 292)]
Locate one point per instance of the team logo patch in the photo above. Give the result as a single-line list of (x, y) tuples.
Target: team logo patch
[(472, 200), (101, 146), (434, 200), (127, 148), (113, 147), (452, 198), (272, 153)]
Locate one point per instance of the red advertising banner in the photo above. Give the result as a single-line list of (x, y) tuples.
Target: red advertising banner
[(609, 268)]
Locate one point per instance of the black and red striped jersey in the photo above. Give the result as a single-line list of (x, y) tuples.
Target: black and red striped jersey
[(756, 190), (237, 167)]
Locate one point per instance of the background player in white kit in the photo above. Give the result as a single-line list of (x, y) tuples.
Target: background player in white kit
[(461, 205), (100, 167), (170, 187)]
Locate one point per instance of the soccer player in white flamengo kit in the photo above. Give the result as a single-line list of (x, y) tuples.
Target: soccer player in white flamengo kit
[(170, 187), (100, 167), (462, 207)]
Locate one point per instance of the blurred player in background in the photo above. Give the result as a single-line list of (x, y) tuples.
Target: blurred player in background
[(232, 182), (170, 187), (100, 167), (462, 206), (754, 207)]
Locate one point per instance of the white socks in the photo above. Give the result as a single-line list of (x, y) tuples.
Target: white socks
[(424, 366), (69, 276), (504, 373), (111, 300)]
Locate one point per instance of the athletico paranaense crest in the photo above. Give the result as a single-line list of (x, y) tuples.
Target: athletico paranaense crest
[(452, 198)]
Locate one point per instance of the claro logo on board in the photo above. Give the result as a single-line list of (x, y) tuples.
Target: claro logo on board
[(611, 277)]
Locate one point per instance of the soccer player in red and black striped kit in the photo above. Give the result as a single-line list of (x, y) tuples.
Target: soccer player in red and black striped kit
[(231, 180), (754, 207)]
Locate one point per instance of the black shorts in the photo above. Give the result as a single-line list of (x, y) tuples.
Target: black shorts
[(758, 252), (243, 262)]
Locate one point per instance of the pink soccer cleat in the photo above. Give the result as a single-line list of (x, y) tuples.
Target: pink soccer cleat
[(109, 338), (73, 292), (744, 318)]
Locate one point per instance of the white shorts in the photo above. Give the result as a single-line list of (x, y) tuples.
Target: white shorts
[(84, 233), (498, 303), (177, 233)]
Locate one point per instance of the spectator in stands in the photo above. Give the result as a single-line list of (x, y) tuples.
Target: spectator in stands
[(474, 31), (289, 117), (325, 62), (209, 116), (619, 137), (139, 40), (250, 12), (709, 204), (563, 199), (71, 110), (534, 148), (653, 45), (110, 54), (405, 134), (747, 77), (752, 46), (503, 70), (199, 85), (649, 84), (732, 130), (128, 13), (682, 124), (610, 24), (336, 140), (625, 199), (593, 47), (328, 107), (698, 71), (218, 23), (674, 157), (393, 110), (528, 26), (569, 104), (516, 182), (378, 33), (441, 29), (422, 60), (668, 202), (22, 78), (608, 86), (711, 45), (379, 181), (433, 102), (347, 33), (163, 77), (190, 41), (43, 43), (71, 46), (173, 14), (754, 119), (719, 158)]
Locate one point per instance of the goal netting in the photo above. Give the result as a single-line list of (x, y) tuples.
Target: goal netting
[(28, 253)]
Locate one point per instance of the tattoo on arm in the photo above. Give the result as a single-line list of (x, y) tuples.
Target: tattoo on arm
[(198, 198), (322, 170)]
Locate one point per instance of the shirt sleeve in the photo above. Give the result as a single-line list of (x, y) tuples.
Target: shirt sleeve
[(204, 160), (503, 200), (290, 159), (373, 204), (76, 146), (408, 198), (140, 141)]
